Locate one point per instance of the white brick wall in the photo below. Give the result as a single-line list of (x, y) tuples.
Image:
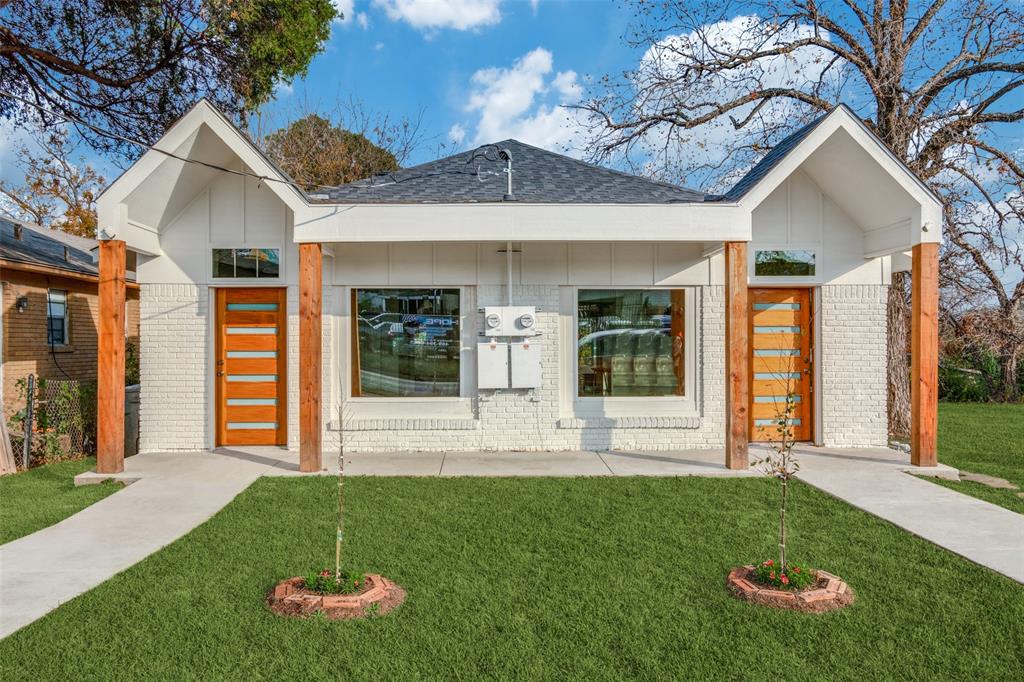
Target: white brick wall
[(176, 398), (174, 333), (853, 365), (533, 419)]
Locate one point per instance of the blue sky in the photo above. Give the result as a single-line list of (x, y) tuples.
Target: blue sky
[(395, 63)]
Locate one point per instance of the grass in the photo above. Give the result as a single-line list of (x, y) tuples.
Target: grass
[(40, 497), (597, 579), (984, 439)]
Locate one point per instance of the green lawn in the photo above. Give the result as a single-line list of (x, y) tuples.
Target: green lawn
[(40, 497), (984, 439), (596, 579)]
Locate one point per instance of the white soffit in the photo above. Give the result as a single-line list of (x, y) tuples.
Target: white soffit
[(863, 178)]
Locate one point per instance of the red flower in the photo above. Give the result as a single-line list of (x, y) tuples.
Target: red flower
[(796, 569), (325, 573), (772, 575), (769, 563), (784, 579)]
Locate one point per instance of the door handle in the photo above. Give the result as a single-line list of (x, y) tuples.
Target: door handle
[(220, 374)]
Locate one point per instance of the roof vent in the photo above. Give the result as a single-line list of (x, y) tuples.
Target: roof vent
[(65, 253), (17, 232)]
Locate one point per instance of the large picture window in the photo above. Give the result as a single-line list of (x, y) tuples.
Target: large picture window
[(630, 342), (406, 343)]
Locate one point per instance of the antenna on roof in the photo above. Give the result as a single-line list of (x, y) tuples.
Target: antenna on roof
[(504, 155)]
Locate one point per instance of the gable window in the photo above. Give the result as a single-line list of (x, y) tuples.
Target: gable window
[(247, 263), (792, 263), (57, 317), (406, 343), (630, 342)]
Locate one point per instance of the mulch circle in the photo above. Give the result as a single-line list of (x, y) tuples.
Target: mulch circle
[(829, 593), (376, 596)]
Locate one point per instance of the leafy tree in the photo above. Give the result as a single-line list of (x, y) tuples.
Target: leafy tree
[(132, 67), (315, 152), (939, 81), (58, 192)]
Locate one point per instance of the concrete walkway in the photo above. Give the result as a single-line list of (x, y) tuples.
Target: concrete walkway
[(876, 481), (173, 494), (170, 494)]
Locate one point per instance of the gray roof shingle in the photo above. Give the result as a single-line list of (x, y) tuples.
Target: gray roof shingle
[(538, 176), (771, 160), (42, 246)]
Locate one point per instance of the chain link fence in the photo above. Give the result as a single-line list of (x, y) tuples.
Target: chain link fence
[(63, 418)]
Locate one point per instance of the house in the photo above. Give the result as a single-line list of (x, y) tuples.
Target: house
[(510, 298), (50, 306)]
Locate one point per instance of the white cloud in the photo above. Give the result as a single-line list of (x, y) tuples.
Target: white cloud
[(533, 5), (525, 101), (346, 10), (460, 15), (663, 81), (378, 46), (348, 14), (457, 133)]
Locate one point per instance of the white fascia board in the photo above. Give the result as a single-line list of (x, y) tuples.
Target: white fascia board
[(928, 227), (523, 222)]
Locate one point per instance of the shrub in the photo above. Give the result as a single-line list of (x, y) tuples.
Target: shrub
[(792, 577), (325, 583)]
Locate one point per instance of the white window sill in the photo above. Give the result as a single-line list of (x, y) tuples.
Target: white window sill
[(646, 422)]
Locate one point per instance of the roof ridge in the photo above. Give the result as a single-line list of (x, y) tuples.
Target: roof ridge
[(599, 167)]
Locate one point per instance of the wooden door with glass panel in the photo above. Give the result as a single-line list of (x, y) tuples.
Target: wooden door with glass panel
[(780, 362), (250, 367)]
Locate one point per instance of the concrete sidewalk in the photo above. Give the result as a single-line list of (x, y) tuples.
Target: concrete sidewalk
[(877, 482), (173, 494)]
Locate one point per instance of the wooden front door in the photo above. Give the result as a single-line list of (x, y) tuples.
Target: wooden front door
[(781, 356), (250, 367)]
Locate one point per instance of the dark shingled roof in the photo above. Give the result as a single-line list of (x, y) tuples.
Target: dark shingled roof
[(538, 176), (42, 246), (771, 160)]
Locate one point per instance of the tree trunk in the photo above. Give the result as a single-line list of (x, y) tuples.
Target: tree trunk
[(898, 360), (1008, 366)]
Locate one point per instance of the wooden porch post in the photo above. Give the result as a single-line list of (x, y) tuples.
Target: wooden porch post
[(924, 356), (310, 360), (110, 360), (737, 353)]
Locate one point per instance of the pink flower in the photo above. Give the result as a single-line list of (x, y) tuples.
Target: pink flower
[(784, 579), (772, 575), (325, 573)]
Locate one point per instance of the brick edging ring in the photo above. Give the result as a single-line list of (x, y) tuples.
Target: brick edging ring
[(828, 594), (379, 596)]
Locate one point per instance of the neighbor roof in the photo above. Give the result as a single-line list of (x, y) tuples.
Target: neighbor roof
[(42, 246), (538, 176)]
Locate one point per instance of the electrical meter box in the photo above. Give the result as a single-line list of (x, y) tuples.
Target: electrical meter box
[(526, 364), (492, 364), (510, 320)]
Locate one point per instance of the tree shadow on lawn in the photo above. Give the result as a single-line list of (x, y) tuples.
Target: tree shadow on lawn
[(533, 578)]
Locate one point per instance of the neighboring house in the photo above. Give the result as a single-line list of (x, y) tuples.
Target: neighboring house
[(50, 306), (656, 317)]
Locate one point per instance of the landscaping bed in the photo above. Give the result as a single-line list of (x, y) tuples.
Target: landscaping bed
[(600, 578)]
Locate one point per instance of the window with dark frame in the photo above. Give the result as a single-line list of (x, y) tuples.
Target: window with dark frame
[(405, 343), (246, 263), (630, 343), (57, 317), (784, 263)]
